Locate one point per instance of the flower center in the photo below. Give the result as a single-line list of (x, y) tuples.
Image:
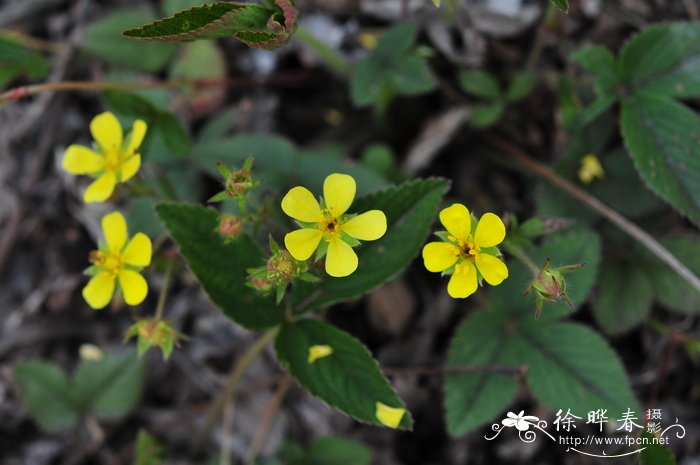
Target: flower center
[(465, 249), (111, 263), (330, 225), (113, 160)]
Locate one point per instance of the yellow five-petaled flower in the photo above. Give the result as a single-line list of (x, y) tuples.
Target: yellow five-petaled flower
[(114, 159), (118, 261), (329, 222), (467, 252)]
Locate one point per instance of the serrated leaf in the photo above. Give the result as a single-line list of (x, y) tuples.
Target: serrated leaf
[(220, 267), (624, 297), (348, 380), (148, 451), (473, 399), (103, 39), (111, 387), (330, 450), (46, 392), (264, 25), (663, 138), (600, 62), (672, 291), (410, 209), (663, 59), (396, 40), (563, 5), (412, 76), (480, 83)]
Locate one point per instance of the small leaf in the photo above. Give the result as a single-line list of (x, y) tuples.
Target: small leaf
[(655, 454), (412, 76), (103, 39), (480, 83), (520, 87), (563, 5), (148, 451), (264, 25), (348, 380), (218, 265), (330, 450), (600, 62), (397, 40), (46, 393), (487, 115)]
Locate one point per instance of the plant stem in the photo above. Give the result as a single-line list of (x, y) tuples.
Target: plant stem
[(520, 254), (164, 291), (236, 374), (599, 207), (333, 58), (266, 424), (24, 91)]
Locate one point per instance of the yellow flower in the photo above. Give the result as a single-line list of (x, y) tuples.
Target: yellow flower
[(590, 169), (389, 416), (115, 159), (467, 252), (329, 222), (119, 261)]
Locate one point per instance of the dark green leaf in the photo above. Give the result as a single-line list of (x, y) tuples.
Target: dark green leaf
[(480, 83), (600, 62), (46, 393), (148, 451), (103, 39), (16, 60), (330, 450), (487, 115), (219, 266), (396, 41), (671, 290), (655, 454), (349, 379), (412, 76), (410, 209), (520, 87), (563, 5)]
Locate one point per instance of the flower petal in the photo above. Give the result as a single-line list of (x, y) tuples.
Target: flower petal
[(490, 231), (491, 268), (138, 251), (99, 290), (457, 220), (368, 226), (81, 160), (114, 230), (138, 132), (341, 260), (101, 188), (107, 131), (302, 243), (300, 204), (338, 192), (389, 416), (130, 167), (134, 287), (463, 282), (439, 256)]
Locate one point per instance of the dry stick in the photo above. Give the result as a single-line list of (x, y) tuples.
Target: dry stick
[(233, 379), (594, 204), (418, 371), (270, 413)]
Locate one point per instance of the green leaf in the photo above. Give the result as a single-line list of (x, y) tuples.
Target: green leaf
[(480, 83), (625, 296), (410, 209), (348, 380), (111, 387), (662, 137), (655, 454), (219, 266), (200, 61), (330, 450), (672, 291), (396, 41), (663, 59), (487, 115), (46, 393), (563, 5), (366, 82), (16, 60), (103, 39), (600, 62), (148, 451), (520, 87), (473, 399), (265, 25), (412, 76)]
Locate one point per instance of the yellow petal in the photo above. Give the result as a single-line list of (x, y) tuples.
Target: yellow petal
[(114, 230), (368, 226), (341, 260), (439, 256), (389, 416), (99, 290), (130, 167), (300, 204), (302, 243), (319, 351), (457, 220), (100, 189), (491, 268), (138, 251), (463, 282), (490, 231), (134, 287), (338, 192), (107, 131), (81, 160), (138, 132)]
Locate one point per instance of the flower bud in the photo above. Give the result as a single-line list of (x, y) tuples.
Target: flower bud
[(282, 267), (549, 285), (230, 226)]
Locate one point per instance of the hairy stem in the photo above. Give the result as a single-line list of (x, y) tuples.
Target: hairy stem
[(164, 291), (520, 254), (599, 207)]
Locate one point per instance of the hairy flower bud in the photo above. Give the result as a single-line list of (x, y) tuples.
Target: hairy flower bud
[(230, 226)]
